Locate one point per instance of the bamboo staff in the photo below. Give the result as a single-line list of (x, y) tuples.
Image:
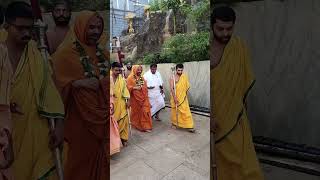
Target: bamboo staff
[(175, 92), (128, 114)]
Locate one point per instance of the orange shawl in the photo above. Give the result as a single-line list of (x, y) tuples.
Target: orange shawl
[(86, 110), (140, 105)]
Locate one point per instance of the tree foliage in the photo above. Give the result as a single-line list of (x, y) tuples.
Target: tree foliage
[(182, 48)]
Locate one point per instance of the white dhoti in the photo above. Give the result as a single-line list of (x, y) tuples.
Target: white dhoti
[(156, 100), (155, 97)]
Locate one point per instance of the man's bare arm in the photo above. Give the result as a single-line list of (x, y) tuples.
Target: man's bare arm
[(172, 87)]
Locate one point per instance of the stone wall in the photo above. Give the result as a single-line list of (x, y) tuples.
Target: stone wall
[(284, 40)]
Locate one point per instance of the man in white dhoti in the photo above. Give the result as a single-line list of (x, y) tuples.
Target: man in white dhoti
[(155, 90)]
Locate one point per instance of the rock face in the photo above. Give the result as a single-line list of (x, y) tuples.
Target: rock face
[(151, 35)]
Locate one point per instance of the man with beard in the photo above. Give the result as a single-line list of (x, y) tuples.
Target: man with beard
[(139, 100), (181, 116), (61, 14), (232, 79), (121, 97), (128, 71), (81, 70), (31, 96)]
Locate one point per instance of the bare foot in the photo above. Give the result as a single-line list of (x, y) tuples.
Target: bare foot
[(124, 143), (148, 131), (192, 130), (173, 126)]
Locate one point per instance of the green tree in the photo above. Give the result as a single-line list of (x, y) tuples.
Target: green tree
[(185, 48), (174, 6)]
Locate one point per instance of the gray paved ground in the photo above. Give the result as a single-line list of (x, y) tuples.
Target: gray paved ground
[(168, 154), (165, 154)]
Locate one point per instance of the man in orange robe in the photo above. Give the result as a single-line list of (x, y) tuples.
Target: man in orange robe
[(81, 75), (139, 100)]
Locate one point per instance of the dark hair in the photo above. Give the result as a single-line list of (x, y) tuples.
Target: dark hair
[(1, 15), (18, 9), (223, 13), (179, 66), (116, 64), (62, 2), (153, 65)]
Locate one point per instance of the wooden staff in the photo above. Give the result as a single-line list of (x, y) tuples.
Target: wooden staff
[(175, 92), (128, 114), (213, 167), (213, 158)]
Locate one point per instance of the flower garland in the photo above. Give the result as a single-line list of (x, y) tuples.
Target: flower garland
[(89, 68), (139, 81)]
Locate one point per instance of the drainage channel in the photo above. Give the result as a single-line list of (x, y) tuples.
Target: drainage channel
[(196, 111), (290, 151)]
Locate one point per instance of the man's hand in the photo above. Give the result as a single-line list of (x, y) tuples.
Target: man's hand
[(90, 83), (137, 88), (6, 148), (176, 100), (15, 108), (56, 136)]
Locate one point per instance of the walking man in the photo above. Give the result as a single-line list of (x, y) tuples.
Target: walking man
[(155, 90)]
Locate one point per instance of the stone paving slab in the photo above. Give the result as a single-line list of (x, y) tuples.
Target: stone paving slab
[(198, 161), (165, 153), (137, 171), (189, 143), (184, 173), (165, 160), (168, 154), (154, 142)]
